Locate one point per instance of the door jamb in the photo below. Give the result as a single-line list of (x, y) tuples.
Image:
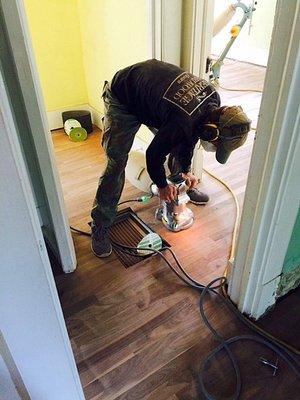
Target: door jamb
[(18, 32), (44, 334), (273, 191), (202, 29)]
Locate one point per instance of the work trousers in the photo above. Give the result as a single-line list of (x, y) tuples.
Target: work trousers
[(119, 129)]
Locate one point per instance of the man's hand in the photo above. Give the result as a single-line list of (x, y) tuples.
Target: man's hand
[(168, 193), (190, 179)]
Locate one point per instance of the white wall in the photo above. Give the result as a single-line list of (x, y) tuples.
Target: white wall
[(31, 318), (114, 34), (253, 47)]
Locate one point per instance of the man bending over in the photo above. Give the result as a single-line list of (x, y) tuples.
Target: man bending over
[(180, 109)]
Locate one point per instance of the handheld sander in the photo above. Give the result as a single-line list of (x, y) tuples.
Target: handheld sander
[(175, 216)]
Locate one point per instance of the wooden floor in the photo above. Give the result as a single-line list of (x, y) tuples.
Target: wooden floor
[(136, 333)]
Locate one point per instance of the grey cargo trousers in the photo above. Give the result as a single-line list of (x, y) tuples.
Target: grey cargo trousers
[(120, 128)]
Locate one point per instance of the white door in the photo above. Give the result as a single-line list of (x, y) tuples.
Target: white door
[(200, 45), (35, 351), (23, 87)]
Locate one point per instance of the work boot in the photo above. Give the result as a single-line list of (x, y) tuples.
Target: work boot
[(197, 197), (100, 245)]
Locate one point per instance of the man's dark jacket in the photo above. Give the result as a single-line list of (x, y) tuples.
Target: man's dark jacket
[(175, 102)]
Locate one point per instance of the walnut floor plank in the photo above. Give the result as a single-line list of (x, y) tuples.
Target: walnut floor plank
[(136, 333)]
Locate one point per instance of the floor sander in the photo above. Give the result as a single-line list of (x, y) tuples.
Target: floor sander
[(214, 67), (175, 215)]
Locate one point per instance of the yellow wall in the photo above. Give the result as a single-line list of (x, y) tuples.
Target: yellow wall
[(80, 43), (55, 32), (115, 34)]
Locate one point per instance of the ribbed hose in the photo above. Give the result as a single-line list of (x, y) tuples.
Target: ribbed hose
[(223, 19)]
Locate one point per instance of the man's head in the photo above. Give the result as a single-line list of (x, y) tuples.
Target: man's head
[(226, 131)]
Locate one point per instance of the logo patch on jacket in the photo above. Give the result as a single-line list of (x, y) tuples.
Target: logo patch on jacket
[(188, 92)]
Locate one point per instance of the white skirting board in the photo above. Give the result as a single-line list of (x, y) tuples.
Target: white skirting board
[(55, 117)]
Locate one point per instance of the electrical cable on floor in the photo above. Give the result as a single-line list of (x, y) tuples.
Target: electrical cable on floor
[(237, 217), (247, 321), (225, 345), (141, 199), (128, 201), (280, 348), (230, 259), (212, 287)]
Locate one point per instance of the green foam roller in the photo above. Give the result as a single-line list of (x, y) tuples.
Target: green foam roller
[(78, 134)]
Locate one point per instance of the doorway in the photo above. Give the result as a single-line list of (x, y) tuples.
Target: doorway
[(119, 318), (105, 313), (242, 76)]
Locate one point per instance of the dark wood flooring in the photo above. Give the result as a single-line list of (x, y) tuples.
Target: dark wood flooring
[(136, 333)]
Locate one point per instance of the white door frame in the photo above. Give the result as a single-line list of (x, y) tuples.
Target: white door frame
[(155, 31), (39, 357), (201, 36), (202, 33), (24, 60), (165, 30), (273, 191)]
